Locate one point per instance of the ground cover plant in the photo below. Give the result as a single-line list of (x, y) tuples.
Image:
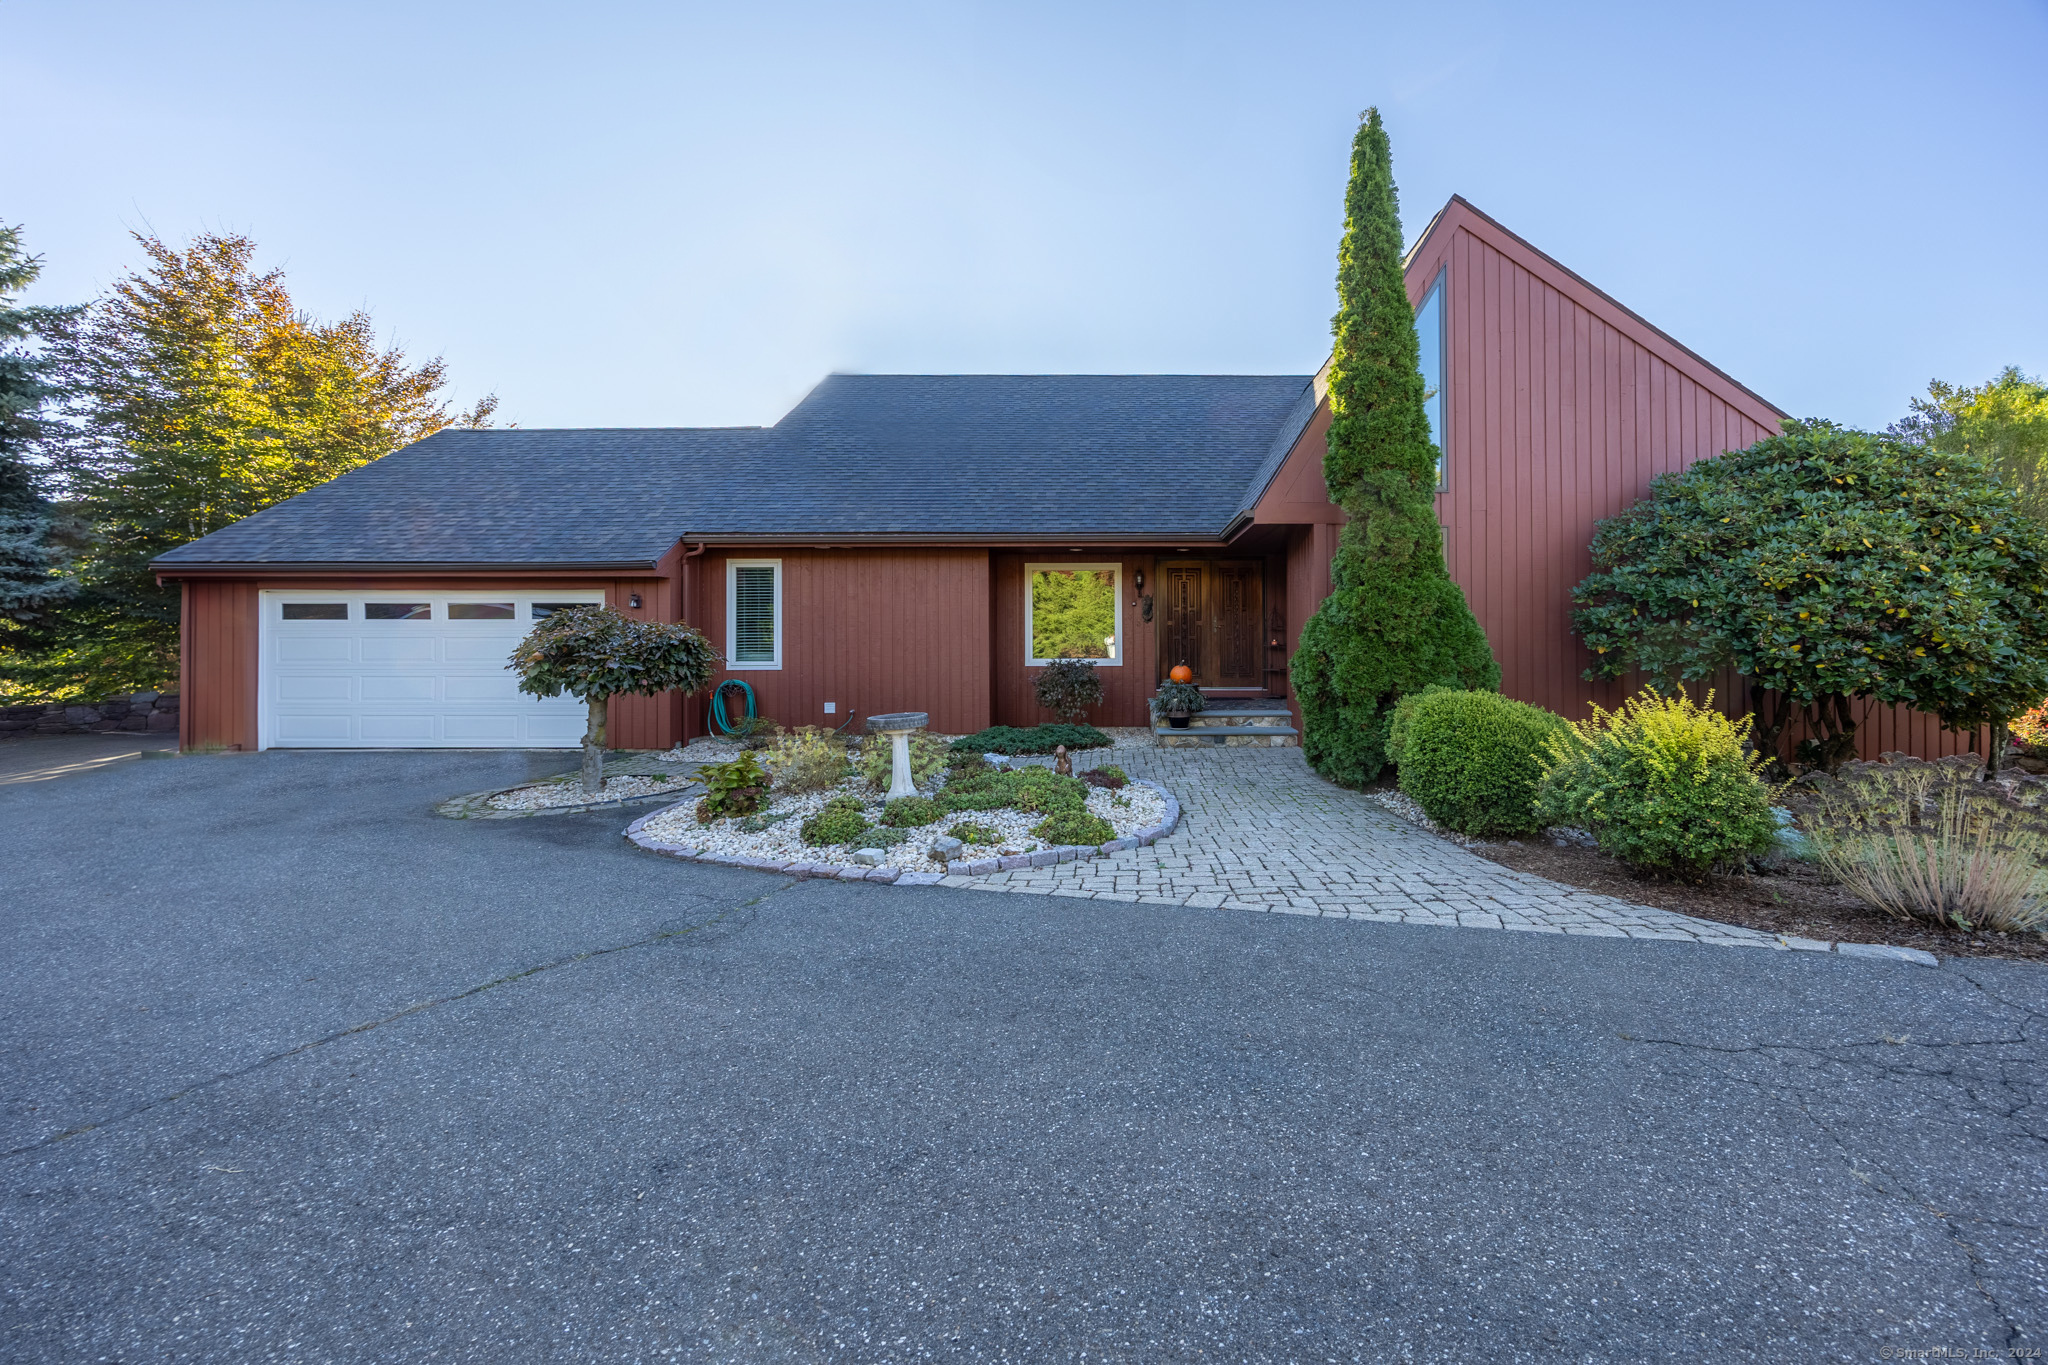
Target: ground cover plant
[(1933, 841), (735, 788), (1394, 622), (1663, 784), (1472, 760), (1105, 776), (842, 821), (908, 812), (1037, 739), (1828, 567)]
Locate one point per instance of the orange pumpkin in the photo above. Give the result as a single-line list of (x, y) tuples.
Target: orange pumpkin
[(1181, 673)]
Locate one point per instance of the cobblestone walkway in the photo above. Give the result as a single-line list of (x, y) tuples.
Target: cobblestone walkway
[(1260, 831)]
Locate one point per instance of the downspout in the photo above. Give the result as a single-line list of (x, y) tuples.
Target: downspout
[(688, 605)]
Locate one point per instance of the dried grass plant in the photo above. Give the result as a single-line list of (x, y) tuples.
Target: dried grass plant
[(807, 759), (1932, 841)]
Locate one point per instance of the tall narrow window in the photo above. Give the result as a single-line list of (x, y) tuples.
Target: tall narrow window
[(1429, 332), (753, 613)]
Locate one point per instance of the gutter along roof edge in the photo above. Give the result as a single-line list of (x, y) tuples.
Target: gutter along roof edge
[(274, 567)]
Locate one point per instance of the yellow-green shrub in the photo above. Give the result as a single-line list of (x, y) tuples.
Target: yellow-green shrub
[(1662, 784), (809, 759)]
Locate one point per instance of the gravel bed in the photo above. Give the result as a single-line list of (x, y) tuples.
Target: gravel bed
[(1403, 806), (782, 842), (568, 791)]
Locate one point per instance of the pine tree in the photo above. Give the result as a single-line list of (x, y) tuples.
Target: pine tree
[(1394, 622), (31, 585), (198, 394)]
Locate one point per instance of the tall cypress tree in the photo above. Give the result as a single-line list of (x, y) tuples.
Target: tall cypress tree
[(1394, 622)]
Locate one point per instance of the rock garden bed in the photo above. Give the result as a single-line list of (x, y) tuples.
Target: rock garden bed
[(980, 820)]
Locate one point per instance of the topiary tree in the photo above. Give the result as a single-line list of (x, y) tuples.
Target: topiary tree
[(1394, 622), (1829, 567), (1067, 688), (595, 653)]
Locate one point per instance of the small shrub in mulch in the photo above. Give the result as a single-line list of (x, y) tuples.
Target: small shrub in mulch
[(967, 832), (1109, 777), (842, 821), (1074, 827), (735, 788), (909, 812)]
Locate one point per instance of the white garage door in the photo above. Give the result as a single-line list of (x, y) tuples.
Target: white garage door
[(407, 671)]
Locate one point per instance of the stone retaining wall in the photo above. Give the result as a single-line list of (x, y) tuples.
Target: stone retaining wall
[(155, 711)]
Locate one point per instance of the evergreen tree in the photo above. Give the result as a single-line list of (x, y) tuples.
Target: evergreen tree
[(31, 586), (199, 394), (1394, 622)]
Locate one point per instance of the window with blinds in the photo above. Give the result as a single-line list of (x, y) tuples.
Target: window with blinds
[(754, 613)]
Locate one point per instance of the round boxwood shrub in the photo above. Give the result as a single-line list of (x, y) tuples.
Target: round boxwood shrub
[(1664, 785), (1472, 760), (842, 821), (1074, 827), (911, 811)]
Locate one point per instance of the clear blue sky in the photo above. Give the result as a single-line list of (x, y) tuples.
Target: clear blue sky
[(666, 214)]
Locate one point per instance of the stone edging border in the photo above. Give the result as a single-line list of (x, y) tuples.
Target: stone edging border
[(976, 867)]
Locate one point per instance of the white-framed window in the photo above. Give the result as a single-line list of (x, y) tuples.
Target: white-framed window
[(1073, 611), (753, 613)]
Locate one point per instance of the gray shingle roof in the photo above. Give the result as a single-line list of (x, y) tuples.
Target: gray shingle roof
[(918, 456)]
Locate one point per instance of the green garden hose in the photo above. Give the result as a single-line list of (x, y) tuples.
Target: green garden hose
[(718, 716)]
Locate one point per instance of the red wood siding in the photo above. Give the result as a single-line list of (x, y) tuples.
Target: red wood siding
[(217, 666), (1561, 407), (870, 630), (1125, 688)]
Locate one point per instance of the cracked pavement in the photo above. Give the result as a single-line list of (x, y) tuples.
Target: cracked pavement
[(295, 1071)]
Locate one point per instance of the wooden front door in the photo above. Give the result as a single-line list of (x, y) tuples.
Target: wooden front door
[(1211, 620)]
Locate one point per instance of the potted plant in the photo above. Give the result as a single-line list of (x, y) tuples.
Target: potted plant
[(1177, 701)]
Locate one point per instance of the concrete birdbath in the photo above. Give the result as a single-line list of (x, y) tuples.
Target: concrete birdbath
[(899, 726)]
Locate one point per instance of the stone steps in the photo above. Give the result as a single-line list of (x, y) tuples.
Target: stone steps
[(1272, 736), (1260, 721)]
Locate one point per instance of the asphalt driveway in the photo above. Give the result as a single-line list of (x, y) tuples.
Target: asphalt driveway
[(294, 1071)]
